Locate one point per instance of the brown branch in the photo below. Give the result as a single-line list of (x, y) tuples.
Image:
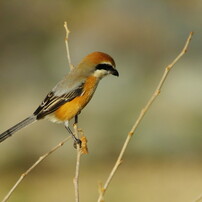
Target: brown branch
[(140, 117), (40, 159), (76, 177)]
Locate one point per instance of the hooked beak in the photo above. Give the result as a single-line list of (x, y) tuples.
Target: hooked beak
[(114, 72)]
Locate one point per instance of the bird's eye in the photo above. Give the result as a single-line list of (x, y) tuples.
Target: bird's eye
[(106, 67)]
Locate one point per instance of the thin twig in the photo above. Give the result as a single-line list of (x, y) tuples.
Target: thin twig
[(40, 159), (76, 177), (140, 117), (78, 157), (67, 45)]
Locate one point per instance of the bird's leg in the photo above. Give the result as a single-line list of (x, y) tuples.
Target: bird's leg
[(76, 119), (75, 123), (76, 140)]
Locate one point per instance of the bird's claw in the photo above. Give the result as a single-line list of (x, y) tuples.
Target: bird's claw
[(77, 141)]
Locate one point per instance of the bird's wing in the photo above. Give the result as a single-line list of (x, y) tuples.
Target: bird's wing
[(52, 102)]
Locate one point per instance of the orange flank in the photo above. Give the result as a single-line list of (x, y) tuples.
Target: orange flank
[(68, 110)]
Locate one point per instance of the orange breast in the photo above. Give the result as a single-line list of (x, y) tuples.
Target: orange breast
[(72, 108)]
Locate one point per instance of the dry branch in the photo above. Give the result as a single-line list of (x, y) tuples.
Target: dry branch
[(103, 189), (76, 132)]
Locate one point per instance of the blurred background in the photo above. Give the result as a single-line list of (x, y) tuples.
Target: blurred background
[(163, 161)]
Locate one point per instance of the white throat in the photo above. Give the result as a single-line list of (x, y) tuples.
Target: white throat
[(100, 73)]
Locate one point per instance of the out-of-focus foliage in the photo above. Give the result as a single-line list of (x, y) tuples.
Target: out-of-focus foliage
[(143, 37)]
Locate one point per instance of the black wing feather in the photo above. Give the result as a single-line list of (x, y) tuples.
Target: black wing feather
[(52, 102)]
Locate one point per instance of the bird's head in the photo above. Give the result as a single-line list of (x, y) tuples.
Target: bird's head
[(98, 64)]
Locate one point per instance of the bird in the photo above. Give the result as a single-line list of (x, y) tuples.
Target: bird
[(70, 95)]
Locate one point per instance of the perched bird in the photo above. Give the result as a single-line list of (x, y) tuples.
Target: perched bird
[(66, 100)]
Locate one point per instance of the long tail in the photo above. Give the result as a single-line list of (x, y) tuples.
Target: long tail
[(18, 126)]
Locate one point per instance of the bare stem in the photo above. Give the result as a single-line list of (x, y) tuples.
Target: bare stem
[(67, 45), (140, 117), (76, 177), (78, 157), (40, 159)]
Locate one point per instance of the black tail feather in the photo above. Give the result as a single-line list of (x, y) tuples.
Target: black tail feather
[(17, 127)]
